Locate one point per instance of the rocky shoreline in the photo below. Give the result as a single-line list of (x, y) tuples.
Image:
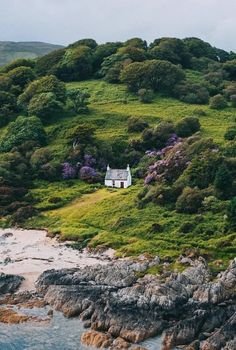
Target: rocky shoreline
[(120, 309), (121, 305)]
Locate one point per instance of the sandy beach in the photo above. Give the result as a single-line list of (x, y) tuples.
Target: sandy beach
[(29, 252)]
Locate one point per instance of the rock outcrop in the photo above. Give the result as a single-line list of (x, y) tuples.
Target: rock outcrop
[(112, 300), (9, 283)]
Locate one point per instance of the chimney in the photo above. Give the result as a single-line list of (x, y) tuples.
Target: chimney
[(128, 168), (108, 167)]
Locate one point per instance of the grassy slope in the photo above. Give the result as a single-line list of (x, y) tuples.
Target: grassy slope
[(111, 217)]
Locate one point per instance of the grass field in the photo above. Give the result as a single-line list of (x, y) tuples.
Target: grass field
[(111, 217)]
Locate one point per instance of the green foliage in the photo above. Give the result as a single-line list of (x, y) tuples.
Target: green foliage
[(230, 133), (190, 201), (21, 130), (170, 49), (187, 126), (45, 106), (136, 124), (84, 42), (77, 100), (233, 100), (223, 181), (230, 68), (152, 74), (76, 64), (199, 48), (157, 137), (8, 107), (43, 85), (192, 93), (145, 95), (218, 102), (231, 212), (19, 62), (21, 76), (49, 64)]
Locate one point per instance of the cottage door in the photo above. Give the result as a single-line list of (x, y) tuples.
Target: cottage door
[(122, 185)]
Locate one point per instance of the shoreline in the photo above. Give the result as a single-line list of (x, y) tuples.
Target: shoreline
[(29, 253)]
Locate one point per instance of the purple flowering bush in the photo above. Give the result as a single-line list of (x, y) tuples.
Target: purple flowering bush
[(68, 171), (88, 174)]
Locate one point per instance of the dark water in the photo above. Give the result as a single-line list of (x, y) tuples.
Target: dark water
[(60, 334)]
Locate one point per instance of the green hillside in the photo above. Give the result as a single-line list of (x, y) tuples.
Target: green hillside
[(10, 51), (78, 115)]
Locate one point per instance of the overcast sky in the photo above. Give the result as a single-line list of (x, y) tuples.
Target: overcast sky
[(65, 21)]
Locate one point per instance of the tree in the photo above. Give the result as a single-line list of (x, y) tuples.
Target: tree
[(84, 42), (170, 49), (230, 68), (19, 62), (158, 136), (231, 213), (76, 64), (230, 133), (45, 106), (83, 135), (218, 102), (223, 181), (190, 201), (8, 107), (21, 130), (77, 100), (152, 74), (191, 93), (199, 48), (43, 85), (136, 42), (103, 51), (21, 76), (49, 64), (187, 126)]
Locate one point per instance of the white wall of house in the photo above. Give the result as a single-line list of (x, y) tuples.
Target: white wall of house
[(117, 183)]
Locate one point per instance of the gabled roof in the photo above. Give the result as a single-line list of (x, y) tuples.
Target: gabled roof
[(117, 174)]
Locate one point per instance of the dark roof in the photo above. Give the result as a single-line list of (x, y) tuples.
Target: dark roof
[(117, 174)]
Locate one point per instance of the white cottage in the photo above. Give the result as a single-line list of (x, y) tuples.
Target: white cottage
[(120, 178)]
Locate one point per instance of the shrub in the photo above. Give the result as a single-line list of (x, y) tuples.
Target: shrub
[(231, 213), (68, 171), (199, 112), (152, 74), (40, 157), (187, 126), (218, 102), (230, 133), (23, 214), (43, 85), (21, 130), (190, 201), (158, 136), (45, 106), (191, 93), (145, 95), (136, 124), (223, 180), (21, 76), (233, 100), (88, 174)]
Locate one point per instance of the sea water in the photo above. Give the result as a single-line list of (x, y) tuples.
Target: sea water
[(59, 334)]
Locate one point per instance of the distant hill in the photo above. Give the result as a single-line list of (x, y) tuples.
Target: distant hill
[(10, 50)]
